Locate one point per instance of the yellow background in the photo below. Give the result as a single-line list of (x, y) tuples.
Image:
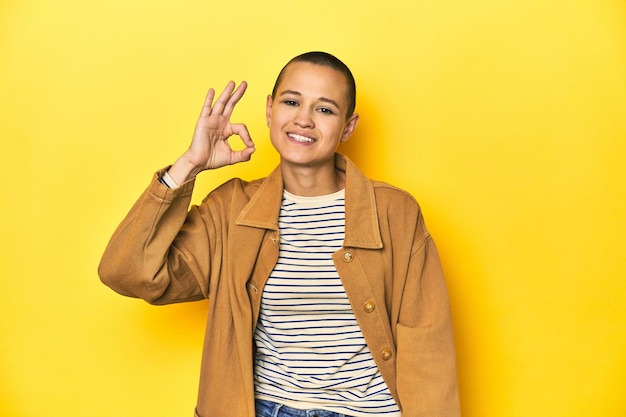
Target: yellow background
[(505, 118)]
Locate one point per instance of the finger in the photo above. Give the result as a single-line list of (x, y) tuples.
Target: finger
[(241, 130), (208, 102), (234, 98), (220, 103), (243, 155)]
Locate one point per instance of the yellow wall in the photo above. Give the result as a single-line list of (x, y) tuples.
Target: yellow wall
[(505, 118)]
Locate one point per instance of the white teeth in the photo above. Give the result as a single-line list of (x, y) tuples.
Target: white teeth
[(299, 138)]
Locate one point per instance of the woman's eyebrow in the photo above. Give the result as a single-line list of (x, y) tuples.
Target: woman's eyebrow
[(329, 100), (297, 93), (292, 92)]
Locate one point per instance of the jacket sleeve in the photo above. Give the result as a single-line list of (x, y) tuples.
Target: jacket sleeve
[(160, 251), (426, 359)]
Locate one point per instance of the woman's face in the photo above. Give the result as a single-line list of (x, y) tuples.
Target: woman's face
[(307, 116)]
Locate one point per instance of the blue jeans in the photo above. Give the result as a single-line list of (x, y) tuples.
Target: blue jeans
[(266, 408)]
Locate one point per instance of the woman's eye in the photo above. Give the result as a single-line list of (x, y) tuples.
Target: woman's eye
[(290, 102), (326, 110)]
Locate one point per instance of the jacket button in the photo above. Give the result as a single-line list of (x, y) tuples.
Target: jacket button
[(386, 354), (369, 307), (348, 256)]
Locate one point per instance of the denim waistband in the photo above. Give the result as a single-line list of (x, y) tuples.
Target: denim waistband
[(265, 408)]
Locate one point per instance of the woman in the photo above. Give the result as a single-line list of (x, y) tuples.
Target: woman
[(327, 296)]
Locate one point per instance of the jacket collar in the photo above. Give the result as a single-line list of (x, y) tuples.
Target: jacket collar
[(362, 228)]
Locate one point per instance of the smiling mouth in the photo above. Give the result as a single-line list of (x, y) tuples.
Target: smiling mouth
[(300, 138)]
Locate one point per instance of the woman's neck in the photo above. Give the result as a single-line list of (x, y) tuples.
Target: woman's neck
[(312, 181)]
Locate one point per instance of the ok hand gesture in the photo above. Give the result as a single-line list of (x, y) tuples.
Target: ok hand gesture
[(209, 147)]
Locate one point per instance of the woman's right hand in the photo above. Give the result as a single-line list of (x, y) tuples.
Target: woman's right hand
[(209, 147)]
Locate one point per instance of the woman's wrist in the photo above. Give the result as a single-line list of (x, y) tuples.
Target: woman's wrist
[(183, 170)]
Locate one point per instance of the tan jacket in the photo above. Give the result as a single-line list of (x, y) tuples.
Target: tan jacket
[(225, 249)]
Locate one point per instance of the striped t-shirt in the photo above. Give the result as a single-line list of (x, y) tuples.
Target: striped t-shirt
[(311, 352)]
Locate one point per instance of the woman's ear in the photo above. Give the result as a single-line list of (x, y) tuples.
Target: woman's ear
[(268, 109), (350, 126)]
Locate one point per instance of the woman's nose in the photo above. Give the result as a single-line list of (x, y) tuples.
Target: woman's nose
[(303, 118)]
